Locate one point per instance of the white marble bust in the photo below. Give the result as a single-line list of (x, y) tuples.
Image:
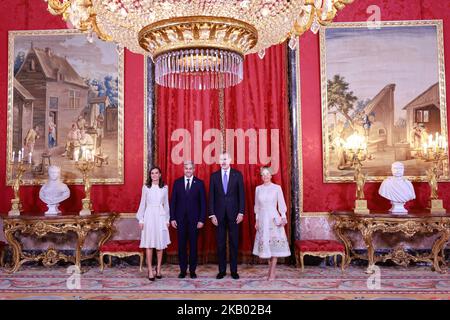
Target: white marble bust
[(397, 189), (54, 191)]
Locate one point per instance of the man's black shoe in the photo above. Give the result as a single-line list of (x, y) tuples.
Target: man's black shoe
[(235, 275), (220, 275), (182, 275), (193, 275)]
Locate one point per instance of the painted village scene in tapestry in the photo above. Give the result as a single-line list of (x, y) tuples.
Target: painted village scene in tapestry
[(383, 85), (66, 106)]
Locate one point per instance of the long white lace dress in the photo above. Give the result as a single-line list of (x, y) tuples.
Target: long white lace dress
[(270, 240), (154, 213)]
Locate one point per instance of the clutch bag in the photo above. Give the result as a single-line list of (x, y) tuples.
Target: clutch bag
[(278, 220)]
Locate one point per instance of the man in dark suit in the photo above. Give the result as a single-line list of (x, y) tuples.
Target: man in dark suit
[(187, 215), (226, 203)]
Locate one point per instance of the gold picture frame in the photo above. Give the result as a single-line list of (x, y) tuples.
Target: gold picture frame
[(386, 71), (63, 80)]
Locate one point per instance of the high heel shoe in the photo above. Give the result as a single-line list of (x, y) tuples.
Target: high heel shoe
[(158, 274), (151, 278)]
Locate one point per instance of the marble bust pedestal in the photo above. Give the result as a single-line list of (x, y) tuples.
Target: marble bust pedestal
[(53, 209), (397, 189), (54, 191), (398, 208)]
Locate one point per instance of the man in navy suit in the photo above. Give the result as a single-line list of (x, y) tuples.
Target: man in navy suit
[(187, 215), (226, 203)]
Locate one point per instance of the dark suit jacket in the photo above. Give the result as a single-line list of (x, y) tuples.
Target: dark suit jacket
[(230, 203), (190, 206)]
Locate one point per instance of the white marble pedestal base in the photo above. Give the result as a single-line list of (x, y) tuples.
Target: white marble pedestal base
[(398, 208), (53, 209)]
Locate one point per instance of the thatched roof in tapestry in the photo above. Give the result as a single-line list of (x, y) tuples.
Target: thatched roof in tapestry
[(426, 98), (52, 64), (380, 95), (26, 95)]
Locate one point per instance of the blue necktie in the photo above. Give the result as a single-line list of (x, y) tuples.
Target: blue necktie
[(225, 182), (188, 186)]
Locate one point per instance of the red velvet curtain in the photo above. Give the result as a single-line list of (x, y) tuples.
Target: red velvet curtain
[(258, 103)]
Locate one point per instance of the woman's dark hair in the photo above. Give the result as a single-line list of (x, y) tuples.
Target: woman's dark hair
[(149, 178)]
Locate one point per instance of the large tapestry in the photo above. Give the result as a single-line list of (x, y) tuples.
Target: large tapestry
[(65, 103), (385, 83)]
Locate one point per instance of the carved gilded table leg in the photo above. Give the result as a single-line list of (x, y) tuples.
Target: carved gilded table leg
[(109, 230), (438, 251), (368, 240), (347, 243), (81, 235), (2, 258), (15, 246)]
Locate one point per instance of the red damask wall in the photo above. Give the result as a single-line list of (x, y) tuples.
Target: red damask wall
[(319, 196), (32, 14)]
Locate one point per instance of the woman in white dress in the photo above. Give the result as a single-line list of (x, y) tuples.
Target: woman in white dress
[(270, 210), (153, 215)]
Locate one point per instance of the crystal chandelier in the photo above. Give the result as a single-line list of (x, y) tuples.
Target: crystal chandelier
[(198, 44)]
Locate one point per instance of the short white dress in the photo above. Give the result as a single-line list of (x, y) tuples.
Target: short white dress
[(270, 240), (154, 213)]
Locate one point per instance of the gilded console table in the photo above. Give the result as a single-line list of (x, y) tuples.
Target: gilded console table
[(40, 226), (413, 223)]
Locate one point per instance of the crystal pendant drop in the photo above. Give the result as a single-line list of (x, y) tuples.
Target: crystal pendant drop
[(90, 37), (315, 26), (198, 69), (261, 53), (293, 43)]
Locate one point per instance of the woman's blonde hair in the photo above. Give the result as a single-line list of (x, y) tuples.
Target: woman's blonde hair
[(265, 168)]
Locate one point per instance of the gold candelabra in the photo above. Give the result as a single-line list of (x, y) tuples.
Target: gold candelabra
[(435, 151), (356, 147), (20, 168), (86, 166)]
